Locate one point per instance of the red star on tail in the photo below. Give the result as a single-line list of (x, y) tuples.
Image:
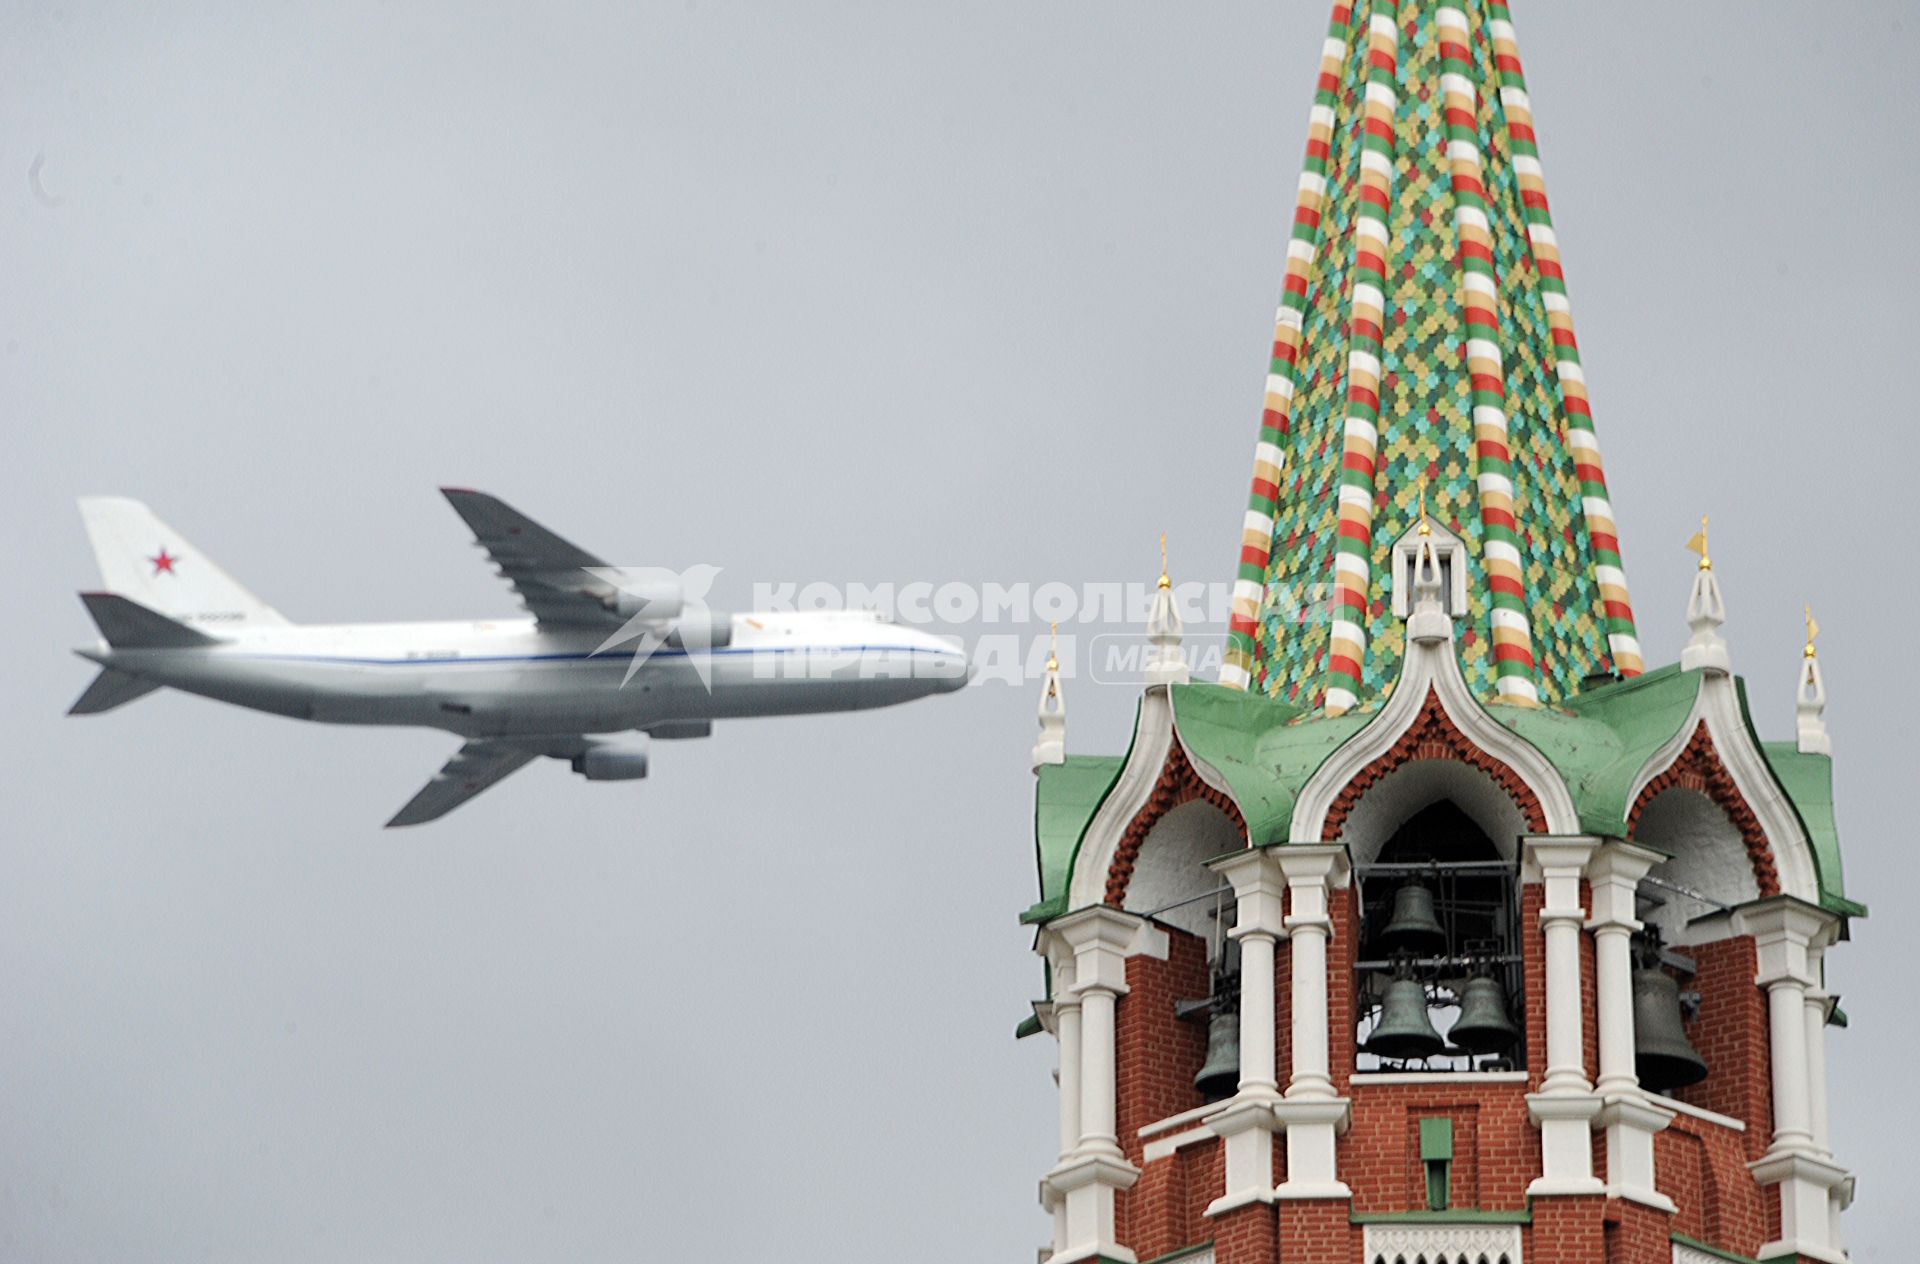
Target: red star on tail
[(163, 564)]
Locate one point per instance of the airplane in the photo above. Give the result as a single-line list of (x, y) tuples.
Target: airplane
[(603, 651)]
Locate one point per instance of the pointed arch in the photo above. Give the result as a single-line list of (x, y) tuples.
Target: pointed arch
[(1432, 735), (1699, 768)]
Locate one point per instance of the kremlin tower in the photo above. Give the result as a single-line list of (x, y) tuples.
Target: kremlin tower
[(1440, 930)]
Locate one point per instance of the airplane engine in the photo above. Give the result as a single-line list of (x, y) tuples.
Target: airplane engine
[(717, 629), (656, 600), (612, 763)]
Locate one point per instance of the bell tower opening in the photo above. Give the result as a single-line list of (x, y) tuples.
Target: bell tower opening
[(1438, 977)]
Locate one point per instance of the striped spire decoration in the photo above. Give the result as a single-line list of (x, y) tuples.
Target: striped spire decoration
[(1257, 534), (1595, 504), (1359, 458), (1424, 336), (1513, 666)]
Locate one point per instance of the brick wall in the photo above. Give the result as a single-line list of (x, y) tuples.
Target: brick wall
[(1703, 1168), (1245, 1235), (1156, 1057), (1158, 1054), (1533, 969), (1496, 1150), (1700, 1165), (1568, 1231), (1637, 1234), (1342, 951), (1730, 1032), (1317, 1231)]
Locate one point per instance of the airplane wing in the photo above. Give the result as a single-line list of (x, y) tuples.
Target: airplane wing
[(549, 572), (473, 768)]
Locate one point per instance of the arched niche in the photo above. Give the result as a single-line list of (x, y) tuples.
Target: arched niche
[(1710, 858), (1170, 881), (1420, 784), (1454, 828)]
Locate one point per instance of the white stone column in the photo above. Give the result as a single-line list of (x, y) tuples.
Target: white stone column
[(1819, 1007), (1313, 1113), (1629, 1115), (1084, 1181), (1063, 1017), (1565, 1106), (1247, 1122), (1787, 933)]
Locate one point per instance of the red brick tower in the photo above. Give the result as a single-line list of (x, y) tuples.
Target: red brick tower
[(1439, 930)]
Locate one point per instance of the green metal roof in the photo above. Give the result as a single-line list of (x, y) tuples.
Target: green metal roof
[(1600, 739), (1808, 781), (1264, 748), (1065, 799)]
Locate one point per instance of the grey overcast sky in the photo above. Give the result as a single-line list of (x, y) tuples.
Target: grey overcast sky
[(848, 291)]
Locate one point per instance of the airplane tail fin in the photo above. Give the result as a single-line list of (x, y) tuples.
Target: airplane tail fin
[(128, 625), (110, 689), (147, 560)]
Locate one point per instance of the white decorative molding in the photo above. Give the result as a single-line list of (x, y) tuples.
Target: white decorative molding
[(1167, 1147), (1152, 740), (1432, 665), (1173, 1122), (1449, 551), (1701, 1113), (1443, 1244), (1717, 705)]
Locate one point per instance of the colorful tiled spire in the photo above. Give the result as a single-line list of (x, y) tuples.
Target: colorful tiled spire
[(1424, 335)]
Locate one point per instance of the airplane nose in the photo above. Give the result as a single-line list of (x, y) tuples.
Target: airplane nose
[(957, 679)]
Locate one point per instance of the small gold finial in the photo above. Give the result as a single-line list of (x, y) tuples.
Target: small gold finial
[(1425, 527), (1698, 544), (1164, 581), (1053, 649), (1813, 630)]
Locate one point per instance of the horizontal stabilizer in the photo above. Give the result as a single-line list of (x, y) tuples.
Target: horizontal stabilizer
[(110, 689), (128, 625)]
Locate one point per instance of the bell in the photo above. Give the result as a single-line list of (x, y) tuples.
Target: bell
[(1404, 1030), (1413, 927), (1662, 1058), (1220, 1077), (1483, 1025)]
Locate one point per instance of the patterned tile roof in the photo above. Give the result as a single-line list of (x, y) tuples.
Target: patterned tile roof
[(1424, 340)]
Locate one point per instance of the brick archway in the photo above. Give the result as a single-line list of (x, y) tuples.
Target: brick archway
[(1433, 735), (1178, 784), (1699, 768)]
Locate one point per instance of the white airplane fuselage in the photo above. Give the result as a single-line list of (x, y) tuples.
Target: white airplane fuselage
[(605, 650), (512, 678)]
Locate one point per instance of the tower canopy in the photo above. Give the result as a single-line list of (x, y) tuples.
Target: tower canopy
[(1424, 352)]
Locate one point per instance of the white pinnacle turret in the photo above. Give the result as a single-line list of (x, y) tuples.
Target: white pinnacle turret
[(1166, 663), (1810, 700), (1705, 613), (1428, 620), (1051, 746)]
